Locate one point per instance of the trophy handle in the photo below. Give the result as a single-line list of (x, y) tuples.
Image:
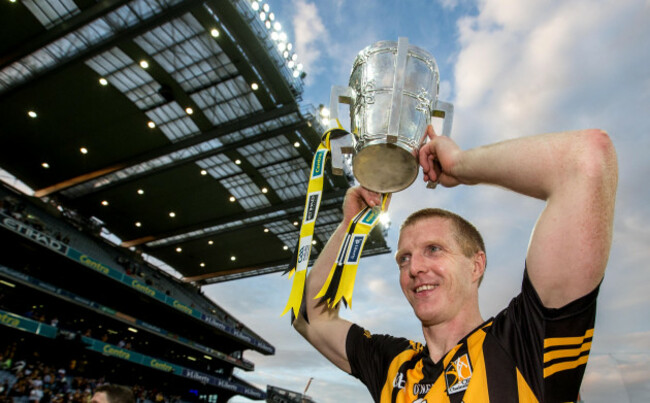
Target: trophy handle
[(339, 94), (340, 144), (444, 110)]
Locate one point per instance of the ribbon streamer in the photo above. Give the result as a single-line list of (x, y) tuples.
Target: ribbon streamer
[(300, 260), (340, 282), (339, 285)]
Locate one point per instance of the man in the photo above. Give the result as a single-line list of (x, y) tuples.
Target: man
[(534, 350), (113, 394)]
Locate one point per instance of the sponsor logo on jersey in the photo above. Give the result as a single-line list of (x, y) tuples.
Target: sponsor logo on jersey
[(399, 381), (458, 374), (421, 389)]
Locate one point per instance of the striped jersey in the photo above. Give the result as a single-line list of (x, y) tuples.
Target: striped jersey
[(527, 353)]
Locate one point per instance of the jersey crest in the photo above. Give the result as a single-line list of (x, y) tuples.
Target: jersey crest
[(458, 374)]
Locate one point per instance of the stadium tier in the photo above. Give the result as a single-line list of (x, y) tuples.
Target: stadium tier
[(99, 316), (148, 150)]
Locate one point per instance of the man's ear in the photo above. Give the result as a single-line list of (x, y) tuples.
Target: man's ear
[(479, 265)]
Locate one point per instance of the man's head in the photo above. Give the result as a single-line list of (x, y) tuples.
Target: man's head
[(466, 234), (113, 394), (441, 258)]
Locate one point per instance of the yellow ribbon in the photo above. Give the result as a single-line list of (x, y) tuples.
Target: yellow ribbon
[(340, 281), (300, 261)]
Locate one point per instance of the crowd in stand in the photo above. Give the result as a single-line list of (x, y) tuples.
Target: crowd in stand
[(72, 326), (134, 266), (36, 382)]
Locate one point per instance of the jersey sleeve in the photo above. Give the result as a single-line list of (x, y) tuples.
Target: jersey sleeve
[(370, 357), (550, 346)]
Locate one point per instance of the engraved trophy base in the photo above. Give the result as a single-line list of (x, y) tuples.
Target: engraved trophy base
[(385, 168)]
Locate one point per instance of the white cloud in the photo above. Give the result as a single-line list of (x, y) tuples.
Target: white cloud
[(617, 378), (378, 287), (449, 4), (311, 35), (445, 90), (530, 67), (521, 68), (535, 66)]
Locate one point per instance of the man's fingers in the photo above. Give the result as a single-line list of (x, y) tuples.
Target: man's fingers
[(426, 156), (371, 198), (436, 166), (430, 132)]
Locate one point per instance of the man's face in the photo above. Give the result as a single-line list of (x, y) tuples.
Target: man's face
[(435, 276), (99, 397)]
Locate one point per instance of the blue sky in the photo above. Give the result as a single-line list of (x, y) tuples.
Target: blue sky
[(511, 68)]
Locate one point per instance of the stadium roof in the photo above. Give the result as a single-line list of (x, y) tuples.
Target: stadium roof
[(177, 124)]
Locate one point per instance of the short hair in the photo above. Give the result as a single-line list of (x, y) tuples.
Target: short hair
[(466, 234), (117, 393)]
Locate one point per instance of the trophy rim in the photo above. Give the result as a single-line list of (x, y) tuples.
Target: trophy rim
[(413, 50)]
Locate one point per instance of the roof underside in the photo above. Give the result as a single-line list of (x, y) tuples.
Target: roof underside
[(253, 146)]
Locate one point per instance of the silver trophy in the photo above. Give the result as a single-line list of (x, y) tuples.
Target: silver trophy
[(392, 95)]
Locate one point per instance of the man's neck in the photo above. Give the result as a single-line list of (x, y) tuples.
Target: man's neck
[(442, 337)]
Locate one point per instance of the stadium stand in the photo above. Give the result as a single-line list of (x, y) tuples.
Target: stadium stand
[(145, 146), (58, 294)]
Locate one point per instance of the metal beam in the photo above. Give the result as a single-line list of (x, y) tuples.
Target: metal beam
[(98, 10), (255, 49), (216, 132), (206, 154), (286, 216), (293, 203), (219, 276), (273, 267), (234, 53)]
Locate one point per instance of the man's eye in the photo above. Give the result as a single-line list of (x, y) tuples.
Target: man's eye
[(433, 248), (402, 259)]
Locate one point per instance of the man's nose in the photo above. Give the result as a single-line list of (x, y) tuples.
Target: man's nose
[(417, 264)]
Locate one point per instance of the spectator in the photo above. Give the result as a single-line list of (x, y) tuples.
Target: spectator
[(113, 394), (36, 394)]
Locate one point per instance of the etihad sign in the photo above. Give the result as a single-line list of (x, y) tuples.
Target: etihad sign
[(34, 235)]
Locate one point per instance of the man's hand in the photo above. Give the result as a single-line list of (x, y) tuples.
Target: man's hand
[(356, 199), (438, 159), (326, 330)]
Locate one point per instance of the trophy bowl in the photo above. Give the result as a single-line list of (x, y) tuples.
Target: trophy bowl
[(393, 95)]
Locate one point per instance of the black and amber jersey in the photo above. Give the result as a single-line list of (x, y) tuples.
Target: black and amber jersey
[(527, 353)]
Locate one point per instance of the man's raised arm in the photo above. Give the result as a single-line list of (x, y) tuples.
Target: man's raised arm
[(574, 172), (326, 331)]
